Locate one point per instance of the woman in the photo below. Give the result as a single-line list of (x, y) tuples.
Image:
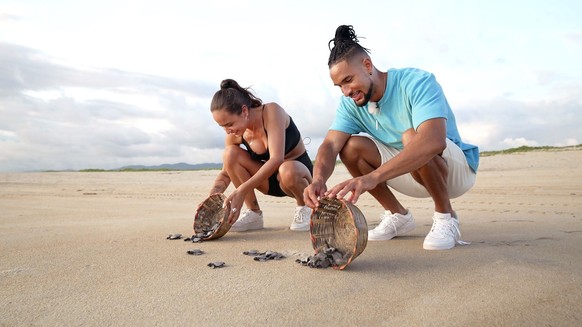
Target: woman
[(274, 162)]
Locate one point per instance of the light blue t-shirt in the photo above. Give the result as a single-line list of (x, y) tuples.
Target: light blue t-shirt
[(412, 96)]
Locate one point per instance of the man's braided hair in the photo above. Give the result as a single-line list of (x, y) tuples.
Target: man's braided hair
[(345, 45)]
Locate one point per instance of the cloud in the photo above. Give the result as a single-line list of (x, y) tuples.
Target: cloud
[(57, 116), (501, 122)]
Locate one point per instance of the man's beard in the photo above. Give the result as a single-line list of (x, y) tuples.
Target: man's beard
[(367, 97)]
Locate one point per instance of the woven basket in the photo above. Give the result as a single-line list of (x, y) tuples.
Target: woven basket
[(339, 224), (210, 214)]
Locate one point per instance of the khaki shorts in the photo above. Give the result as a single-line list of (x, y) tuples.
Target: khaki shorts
[(461, 178)]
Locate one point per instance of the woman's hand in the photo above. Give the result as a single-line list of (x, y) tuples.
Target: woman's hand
[(234, 202)]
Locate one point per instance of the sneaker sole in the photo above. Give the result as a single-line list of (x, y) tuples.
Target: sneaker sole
[(300, 229), (245, 229), (407, 228), (438, 246)]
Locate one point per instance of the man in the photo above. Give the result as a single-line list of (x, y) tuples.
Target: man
[(413, 145)]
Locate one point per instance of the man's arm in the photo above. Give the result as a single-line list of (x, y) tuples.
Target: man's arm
[(324, 165), (427, 142)]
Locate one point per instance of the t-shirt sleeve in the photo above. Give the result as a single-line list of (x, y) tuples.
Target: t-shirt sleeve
[(344, 121), (427, 99)]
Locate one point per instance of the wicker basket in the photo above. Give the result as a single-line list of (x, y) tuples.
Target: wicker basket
[(341, 225), (210, 215)]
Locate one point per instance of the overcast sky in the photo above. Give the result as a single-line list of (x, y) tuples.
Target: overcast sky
[(109, 83)]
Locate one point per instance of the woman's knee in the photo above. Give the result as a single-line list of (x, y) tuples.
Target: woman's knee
[(291, 173), (232, 155)]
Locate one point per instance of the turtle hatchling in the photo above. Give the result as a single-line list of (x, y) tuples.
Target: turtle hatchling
[(324, 259), (269, 255), (195, 252), (251, 252), (174, 237), (216, 264)]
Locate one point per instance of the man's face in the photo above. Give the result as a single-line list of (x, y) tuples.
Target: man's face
[(354, 80)]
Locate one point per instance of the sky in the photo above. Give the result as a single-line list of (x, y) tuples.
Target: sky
[(109, 83)]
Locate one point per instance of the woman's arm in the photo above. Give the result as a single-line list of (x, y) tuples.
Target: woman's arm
[(275, 120), (220, 183), (222, 180)]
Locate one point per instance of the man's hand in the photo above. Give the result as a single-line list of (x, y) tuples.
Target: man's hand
[(356, 186), (313, 192)]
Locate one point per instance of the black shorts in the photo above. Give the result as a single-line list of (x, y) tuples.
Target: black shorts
[(275, 188)]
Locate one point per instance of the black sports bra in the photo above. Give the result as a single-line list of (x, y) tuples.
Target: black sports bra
[(292, 138)]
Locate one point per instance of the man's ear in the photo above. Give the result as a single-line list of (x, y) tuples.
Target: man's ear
[(368, 65)]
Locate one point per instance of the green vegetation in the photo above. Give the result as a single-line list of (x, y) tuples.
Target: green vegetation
[(526, 148)]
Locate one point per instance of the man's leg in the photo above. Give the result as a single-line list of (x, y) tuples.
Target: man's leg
[(444, 233), (433, 176), (360, 156)]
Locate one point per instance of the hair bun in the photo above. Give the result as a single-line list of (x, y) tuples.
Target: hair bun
[(227, 84), (345, 33)]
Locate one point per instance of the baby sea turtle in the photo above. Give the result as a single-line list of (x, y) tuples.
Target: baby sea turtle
[(324, 259), (251, 252), (194, 239), (216, 264), (269, 255), (264, 256), (174, 237), (195, 252)]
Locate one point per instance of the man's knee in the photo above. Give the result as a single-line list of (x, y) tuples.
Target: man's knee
[(354, 148)]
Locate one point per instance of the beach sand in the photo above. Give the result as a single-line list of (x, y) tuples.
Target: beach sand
[(90, 249)]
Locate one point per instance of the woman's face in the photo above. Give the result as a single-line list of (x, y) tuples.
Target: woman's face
[(232, 123)]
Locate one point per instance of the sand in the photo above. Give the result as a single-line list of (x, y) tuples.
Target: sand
[(90, 249)]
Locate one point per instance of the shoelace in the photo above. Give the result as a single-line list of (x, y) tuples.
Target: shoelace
[(444, 228), (298, 217), (244, 216), (387, 219)]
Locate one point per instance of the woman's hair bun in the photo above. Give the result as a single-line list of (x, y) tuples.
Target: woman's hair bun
[(227, 84)]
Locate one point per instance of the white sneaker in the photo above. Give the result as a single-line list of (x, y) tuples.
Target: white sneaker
[(248, 220), (392, 224), (301, 219), (444, 233)]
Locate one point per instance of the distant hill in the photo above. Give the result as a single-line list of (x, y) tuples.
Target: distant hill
[(176, 166)]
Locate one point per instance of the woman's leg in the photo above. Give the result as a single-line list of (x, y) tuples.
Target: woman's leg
[(240, 168), (294, 177)]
